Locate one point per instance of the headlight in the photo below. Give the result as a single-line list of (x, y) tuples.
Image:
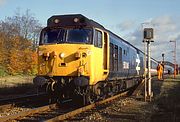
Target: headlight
[(62, 55)]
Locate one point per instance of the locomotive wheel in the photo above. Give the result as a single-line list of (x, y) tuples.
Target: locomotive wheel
[(124, 85), (81, 96), (91, 97), (101, 93), (109, 90), (80, 100)]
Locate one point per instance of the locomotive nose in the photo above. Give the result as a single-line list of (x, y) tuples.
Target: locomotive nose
[(64, 60)]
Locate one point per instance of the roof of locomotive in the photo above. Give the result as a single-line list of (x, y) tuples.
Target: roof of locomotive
[(69, 20)]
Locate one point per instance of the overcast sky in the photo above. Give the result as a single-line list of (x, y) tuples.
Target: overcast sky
[(123, 17)]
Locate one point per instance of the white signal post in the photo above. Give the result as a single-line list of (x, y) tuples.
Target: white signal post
[(145, 73), (174, 58), (148, 36), (149, 69), (145, 57)]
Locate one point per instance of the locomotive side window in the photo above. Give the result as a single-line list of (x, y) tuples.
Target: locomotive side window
[(98, 39), (120, 58), (111, 57), (141, 61), (115, 58), (124, 52)]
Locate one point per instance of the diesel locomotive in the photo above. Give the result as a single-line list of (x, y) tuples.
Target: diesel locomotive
[(81, 60)]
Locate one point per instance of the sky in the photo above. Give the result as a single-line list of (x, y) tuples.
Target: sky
[(126, 18)]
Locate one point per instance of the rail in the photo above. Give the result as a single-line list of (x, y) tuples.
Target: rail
[(15, 99), (11, 102), (53, 106), (28, 112), (65, 115), (86, 108)]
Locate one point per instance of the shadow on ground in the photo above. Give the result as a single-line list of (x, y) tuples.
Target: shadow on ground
[(168, 102), (25, 88)]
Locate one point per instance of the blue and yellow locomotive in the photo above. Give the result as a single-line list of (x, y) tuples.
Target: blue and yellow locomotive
[(79, 57)]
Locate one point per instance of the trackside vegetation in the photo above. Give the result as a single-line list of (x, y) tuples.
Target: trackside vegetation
[(18, 41)]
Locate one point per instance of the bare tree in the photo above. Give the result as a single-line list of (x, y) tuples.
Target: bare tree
[(19, 34), (24, 25)]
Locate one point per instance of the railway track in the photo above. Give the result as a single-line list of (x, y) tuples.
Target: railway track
[(85, 108), (22, 100), (54, 112)]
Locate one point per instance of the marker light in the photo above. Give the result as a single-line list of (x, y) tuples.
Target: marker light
[(56, 21), (76, 20)]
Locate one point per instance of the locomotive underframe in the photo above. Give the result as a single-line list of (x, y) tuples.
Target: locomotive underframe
[(79, 90)]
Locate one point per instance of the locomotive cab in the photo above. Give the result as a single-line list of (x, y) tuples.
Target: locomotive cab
[(73, 56)]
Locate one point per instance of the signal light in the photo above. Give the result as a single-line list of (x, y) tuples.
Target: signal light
[(148, 33)]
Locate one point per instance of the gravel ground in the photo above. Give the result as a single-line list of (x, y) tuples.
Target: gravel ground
[(14, 86), (13, 111), (165, 106), (127, 109)]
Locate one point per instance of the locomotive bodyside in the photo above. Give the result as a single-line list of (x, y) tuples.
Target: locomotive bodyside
[(126, 61), (79, 57)]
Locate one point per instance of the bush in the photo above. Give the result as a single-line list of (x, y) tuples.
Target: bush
[(3, 72)]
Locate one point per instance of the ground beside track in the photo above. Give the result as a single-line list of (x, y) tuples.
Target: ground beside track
[(12, 86), (165, 106)]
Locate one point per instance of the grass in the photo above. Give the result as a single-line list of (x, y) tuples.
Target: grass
[(13, 81), (167, 101), (16, 85), (2, 72), (172, 79)]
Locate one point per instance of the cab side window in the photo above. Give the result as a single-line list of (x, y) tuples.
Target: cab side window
[(98, 38)]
